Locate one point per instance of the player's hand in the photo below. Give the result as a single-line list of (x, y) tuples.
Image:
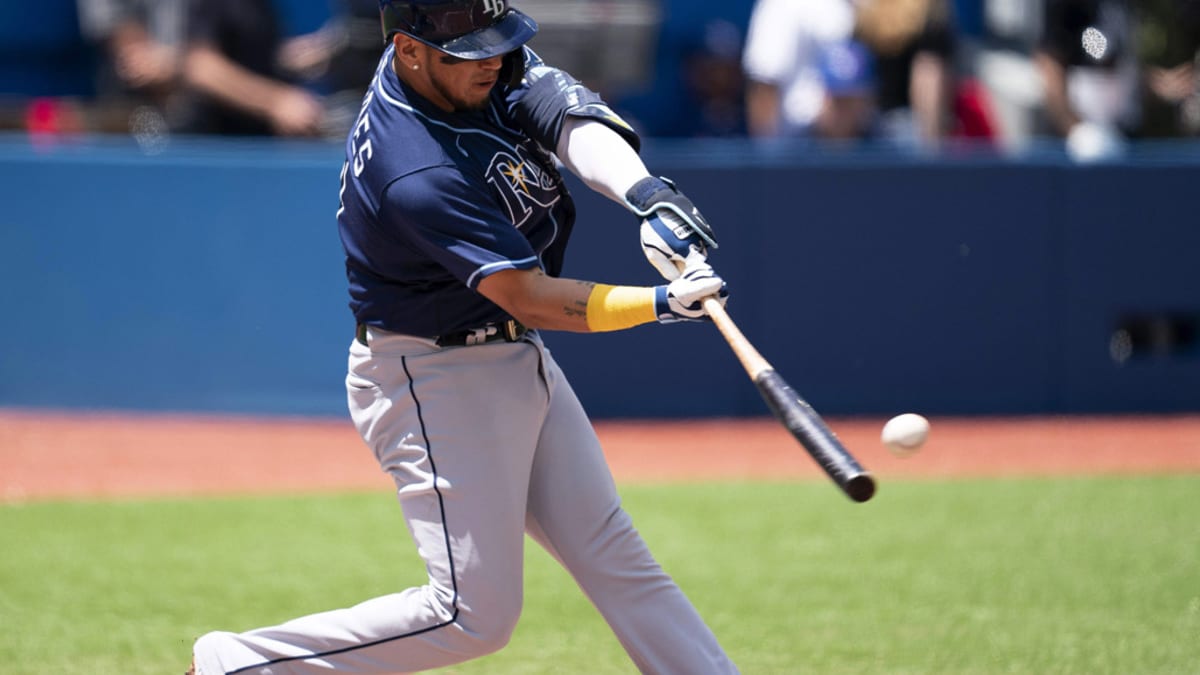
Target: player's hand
[(669, 244), (682, 299), (672, 227)]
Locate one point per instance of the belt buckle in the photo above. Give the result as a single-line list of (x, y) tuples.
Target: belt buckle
[(478, 336), (510, 331)]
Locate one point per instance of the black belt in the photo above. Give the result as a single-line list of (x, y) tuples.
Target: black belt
[(509, 331)]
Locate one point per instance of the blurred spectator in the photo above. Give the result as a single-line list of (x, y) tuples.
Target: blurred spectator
[(236, 81), (140, 44), (784, 89), (715, 88), (1004, 64), (848, 110), (913, 43), (1169, 50), (339, 59), (1089, 71)]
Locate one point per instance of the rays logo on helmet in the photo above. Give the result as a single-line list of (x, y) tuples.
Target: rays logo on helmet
[(495, 7)]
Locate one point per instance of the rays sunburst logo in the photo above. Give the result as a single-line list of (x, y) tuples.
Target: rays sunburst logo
[(522, 184)]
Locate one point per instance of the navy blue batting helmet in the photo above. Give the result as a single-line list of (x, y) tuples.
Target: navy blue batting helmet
[(468, 29)]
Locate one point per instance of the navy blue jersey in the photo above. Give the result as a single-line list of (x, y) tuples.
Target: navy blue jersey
[(433, 202)]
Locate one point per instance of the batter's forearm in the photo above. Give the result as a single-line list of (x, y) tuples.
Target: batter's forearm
[(551, 303), (619, 307), (573, 305), (587, 307), (538, 300), (566, 305)]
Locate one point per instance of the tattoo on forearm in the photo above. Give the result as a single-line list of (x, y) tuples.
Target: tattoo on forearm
[(578, 306)]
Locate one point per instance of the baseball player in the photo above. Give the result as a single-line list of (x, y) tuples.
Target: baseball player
[(454, 219)]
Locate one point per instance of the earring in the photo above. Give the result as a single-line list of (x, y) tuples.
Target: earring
[(416, 66)]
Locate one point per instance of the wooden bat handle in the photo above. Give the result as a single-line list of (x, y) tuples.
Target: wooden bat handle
[(751, 360)]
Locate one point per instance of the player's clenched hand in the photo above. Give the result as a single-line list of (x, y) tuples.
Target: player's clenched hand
[(681, 300), (673, 229), (669, 244)]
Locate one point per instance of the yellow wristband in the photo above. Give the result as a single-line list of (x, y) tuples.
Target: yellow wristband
[(619, 307)]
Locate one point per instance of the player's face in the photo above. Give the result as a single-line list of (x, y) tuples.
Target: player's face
[(462, 85)]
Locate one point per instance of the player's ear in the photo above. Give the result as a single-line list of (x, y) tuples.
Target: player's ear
[(407, 50)]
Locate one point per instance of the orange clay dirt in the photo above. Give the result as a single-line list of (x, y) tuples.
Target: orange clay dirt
[(89, 455)]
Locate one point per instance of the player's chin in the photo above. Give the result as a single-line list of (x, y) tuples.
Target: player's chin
[(474, 103)]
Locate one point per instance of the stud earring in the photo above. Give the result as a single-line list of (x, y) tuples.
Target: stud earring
[(416, 66)]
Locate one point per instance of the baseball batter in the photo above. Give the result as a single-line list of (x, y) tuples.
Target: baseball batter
[(454, 219)]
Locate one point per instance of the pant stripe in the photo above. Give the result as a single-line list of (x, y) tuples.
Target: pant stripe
[(449, 554)]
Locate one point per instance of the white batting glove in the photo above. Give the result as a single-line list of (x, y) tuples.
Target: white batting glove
[(670, 244), (672, 227), (681, 300)]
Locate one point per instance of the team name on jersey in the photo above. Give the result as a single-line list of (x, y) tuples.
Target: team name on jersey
[(523, 185), (360, 148)]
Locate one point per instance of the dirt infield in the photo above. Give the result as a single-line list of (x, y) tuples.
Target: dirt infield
[(73, 455)]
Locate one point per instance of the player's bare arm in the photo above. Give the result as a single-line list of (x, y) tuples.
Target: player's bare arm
[(538, 300)]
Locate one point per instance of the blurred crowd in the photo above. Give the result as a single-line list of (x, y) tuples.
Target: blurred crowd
[(921, 74), (913, 74), (224, 67)]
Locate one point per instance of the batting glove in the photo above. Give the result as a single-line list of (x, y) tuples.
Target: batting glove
[(672, 227), (669, 244), (682, 299)]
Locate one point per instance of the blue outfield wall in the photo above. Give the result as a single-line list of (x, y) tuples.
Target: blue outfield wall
[(209, 278)]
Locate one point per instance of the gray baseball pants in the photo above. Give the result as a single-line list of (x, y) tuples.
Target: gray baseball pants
[(485, 444)]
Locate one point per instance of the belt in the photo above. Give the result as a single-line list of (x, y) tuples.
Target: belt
[(509, 331)]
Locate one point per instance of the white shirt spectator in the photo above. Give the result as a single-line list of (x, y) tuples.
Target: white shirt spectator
[(783, 45)]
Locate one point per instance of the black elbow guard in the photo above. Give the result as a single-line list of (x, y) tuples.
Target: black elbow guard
[(551, 95)]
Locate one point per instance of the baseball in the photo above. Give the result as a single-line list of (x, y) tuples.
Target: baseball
[(904, 434)]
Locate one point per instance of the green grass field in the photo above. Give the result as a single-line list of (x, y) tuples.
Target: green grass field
[(1035, 576)]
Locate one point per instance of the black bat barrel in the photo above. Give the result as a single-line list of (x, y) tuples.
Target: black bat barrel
[(817, 438)]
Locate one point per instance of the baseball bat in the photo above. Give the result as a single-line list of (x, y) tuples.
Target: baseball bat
[(796, 415)]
